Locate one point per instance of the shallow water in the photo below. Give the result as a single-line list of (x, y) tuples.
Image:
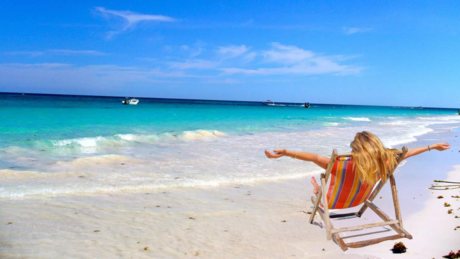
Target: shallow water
[(56, 145)]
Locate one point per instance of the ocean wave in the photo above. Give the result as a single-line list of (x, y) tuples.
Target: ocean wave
[(125, 139), (395, 123), (444, 119), (357, 119)]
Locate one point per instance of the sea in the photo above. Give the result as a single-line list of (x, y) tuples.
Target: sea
[(56, 145)]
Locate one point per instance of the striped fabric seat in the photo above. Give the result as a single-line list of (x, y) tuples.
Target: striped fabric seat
[(346, 189)]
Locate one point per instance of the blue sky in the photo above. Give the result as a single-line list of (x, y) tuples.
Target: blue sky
[(351, 52)]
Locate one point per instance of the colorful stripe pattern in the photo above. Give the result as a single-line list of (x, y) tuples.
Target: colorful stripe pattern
[(346, 189)]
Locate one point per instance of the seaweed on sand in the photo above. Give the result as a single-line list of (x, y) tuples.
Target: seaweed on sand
[(453, 255), (399, 248)]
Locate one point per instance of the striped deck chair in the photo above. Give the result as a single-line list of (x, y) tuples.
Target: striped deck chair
[(347, 191)]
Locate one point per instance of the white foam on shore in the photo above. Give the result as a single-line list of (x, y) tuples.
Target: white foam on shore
[(19, 185), (395, 123), (126, 139), (132, 162), (357, 119)]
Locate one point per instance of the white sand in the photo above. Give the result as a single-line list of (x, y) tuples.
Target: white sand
[(432, 228), (238, 221), (229, 221)]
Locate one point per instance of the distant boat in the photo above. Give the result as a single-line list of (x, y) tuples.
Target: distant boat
[(270, 103), (130, 101), (273, 104)]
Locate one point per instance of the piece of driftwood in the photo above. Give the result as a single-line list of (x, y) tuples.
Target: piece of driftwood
[(333, 233)]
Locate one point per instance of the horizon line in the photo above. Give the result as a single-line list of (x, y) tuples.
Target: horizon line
[(215, 100)]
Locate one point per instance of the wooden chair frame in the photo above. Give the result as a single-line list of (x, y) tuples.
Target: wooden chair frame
[(333, 233)]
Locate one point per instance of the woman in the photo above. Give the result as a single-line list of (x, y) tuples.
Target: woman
[(369, 156)]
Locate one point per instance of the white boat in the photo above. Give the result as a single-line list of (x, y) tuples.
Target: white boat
[(270, 103), (130, 102)]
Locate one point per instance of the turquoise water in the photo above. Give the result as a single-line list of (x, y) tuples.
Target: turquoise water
[(46, 142), (31, 118)]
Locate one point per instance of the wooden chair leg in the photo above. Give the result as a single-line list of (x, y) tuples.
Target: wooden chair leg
[(394, 193), (385, 217), (339, 241), (330, 165), (315, 206), (374, 194), (320, 211), (326, 208), (373, 241)]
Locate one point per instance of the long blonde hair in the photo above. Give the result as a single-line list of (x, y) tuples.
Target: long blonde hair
[(371, 159)]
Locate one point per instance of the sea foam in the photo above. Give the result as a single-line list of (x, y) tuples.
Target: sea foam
[(357, 119)]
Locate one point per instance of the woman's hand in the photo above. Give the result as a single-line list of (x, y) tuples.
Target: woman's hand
[(278, 153), (441, 146)]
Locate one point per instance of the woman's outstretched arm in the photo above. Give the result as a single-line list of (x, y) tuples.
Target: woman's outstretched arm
[(419, 150), (321, 161)]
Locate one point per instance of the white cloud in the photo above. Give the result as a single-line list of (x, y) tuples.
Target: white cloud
[(232, 51), (57, 51), (26, 53), (131, 18), (227, 81), (286, 54), (58, 78), (250, 56), (196, 52), (278, 59), (194, 64), (78, 52), (294, 60), (35, 65), (353, 30)]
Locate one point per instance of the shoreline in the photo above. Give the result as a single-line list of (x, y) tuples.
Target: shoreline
[(251, 220)]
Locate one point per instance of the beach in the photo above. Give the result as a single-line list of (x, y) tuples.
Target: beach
[(215, 195), (259, 220)]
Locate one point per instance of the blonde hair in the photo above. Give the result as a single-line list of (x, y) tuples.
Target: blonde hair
[(371, 158)]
